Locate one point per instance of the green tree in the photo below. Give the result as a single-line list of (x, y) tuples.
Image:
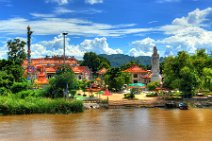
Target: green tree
[(153, 85), (94, 62), (114, 78), (83, 85), (188, 82), (172, 68), (6, 80), (16, 51), (59, 83), (207, 78)]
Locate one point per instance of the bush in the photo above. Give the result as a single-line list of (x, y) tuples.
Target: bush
[(19, 86), (152, 85), (152, 95), (129, 96), (24, 94), (13, 105), (4, 91)]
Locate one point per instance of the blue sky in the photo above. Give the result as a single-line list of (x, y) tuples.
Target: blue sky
[(130, 27)]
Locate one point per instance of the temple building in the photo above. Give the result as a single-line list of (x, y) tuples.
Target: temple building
[(139, 75), (42, 69)]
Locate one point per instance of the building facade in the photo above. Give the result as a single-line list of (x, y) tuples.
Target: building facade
[(42, 69), (139, 75)]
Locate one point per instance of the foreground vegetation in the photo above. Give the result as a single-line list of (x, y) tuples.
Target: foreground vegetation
[(13, 104)]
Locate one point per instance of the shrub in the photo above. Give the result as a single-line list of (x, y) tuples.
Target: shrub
[(4, 91), (24, 94), (152, 85), (129, 96), (19, 86), (13, 105), (151, 95)]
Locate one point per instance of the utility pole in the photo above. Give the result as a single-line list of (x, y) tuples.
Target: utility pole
[(64, 47), (29, 33)]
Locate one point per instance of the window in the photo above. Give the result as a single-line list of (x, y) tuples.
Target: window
[(135, 75), (80, 77)]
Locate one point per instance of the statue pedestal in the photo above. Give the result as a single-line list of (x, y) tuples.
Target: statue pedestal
[(156, 77)]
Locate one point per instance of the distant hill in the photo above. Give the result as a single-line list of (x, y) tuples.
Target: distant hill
[(117, 60)]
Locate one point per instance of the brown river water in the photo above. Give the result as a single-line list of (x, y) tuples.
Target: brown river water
[(111, 125)]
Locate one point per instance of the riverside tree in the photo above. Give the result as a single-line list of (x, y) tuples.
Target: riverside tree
[(188, 73), (62, 81), (114, 78)]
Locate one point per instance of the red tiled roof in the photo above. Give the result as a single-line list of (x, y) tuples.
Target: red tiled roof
[(149, 75), (51, 70), (50, 61), (102, 71), (80, 69), (135, 69)]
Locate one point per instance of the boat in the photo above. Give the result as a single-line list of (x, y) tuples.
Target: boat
[(183, 106)]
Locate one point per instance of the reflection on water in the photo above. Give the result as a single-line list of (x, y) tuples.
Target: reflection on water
[(111, 125)]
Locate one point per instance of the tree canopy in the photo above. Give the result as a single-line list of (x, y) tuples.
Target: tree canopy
[(114, 78), (94, 62), (188, 72), (16, 51)]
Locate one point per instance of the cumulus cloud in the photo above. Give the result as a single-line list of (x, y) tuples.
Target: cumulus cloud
[(60, 2), (55, 47), (93, 1), (188, 33), (142, 47)]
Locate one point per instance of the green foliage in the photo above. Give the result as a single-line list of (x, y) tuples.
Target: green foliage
[(129, 96), (19, 86), (73, 93), (23, 94), (4, 91), (188, 82), (152, 95), (94, 62), (58, 84), (207, 78), (133, 91), (83, 85), (187, 72), (6, 80), (16, 51), (114, 78), (152, 85), (14, 105)]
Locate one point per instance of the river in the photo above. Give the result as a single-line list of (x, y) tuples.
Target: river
[(110, 125)]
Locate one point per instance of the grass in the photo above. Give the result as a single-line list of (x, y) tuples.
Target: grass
[(13, 104)]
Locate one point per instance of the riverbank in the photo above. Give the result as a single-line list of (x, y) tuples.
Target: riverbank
[(155, 102), (30, 105)]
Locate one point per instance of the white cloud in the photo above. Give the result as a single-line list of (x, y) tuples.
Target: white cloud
[(63, 10), (60, 2), (55, 47), (99, 45), (142, 47), (41, 15), (93, 1), (81, 27), (165, 1), (188, 33)]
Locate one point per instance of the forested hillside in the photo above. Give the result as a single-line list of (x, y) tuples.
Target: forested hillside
[(120, 59)]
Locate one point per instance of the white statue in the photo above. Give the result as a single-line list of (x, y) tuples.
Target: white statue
[(155, 66)]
